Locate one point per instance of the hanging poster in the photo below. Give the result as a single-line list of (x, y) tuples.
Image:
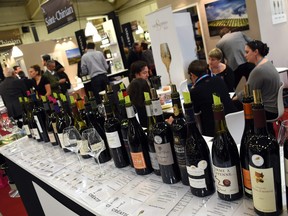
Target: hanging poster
[(226, 13), (58, 14), (173, 44), (278, 11)]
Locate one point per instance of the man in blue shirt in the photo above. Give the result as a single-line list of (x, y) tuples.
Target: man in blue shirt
[(93, 63)]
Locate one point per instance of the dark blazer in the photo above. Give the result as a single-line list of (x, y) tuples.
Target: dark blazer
[(202, 99), (11, 89)]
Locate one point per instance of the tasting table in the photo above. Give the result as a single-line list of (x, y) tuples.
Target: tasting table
[(52, 182)]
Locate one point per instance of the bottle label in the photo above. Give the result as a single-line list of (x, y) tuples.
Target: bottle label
[(263, 189), (84, 149), (157, 109), (32, 132), (180, 150), (51, 137), (197, 183), (54, 127), (138, 160), (36, 133), (113, 139), (198, 170), (38, 123), (247, 180), (27, 130), (226, 180), (148, 110), (130, 112), (154, 161), (61, 139), (164, 154)]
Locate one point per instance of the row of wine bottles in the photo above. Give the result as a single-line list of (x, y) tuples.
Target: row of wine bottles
[(177, 151)]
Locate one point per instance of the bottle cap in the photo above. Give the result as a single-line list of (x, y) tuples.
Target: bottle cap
[(147, 96), (120, 96), (122, 86), (187, 98), (44, 98), (105, 98), (127, 100), (91, 95), (257, 96), (216, 99), (109, 88), (55, 95), (72, 100), (247, 92), (86, 100), (173, 88)]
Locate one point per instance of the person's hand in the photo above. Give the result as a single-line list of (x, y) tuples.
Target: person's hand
[(170, 120)]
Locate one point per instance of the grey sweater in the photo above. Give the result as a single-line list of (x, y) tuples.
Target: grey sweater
[(266, 78)]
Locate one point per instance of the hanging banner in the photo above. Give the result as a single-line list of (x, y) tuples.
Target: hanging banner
[(9, 37), (173, 44), (127, 34), (58, 14), (81, 40)]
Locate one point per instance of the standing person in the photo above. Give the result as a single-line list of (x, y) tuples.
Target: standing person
[(204, 86), (40, 83), (147, 56), (58, 66), (217, 68), (51, 75), (135, 54), (232, 46), (10, 90), (264, 77), (17, 70), (94, 63)]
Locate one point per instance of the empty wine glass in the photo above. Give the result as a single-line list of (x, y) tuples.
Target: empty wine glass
[(166, 57), (283, 133), (95, 143), (72, 140)]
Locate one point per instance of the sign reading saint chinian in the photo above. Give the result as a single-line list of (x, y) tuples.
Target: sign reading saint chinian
[(58, 14)]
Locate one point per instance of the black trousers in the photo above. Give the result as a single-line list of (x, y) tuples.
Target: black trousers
[(98, 84)]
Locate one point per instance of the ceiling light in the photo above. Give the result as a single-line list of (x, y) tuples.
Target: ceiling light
[(16, 52), (90, 29), (139, 30)]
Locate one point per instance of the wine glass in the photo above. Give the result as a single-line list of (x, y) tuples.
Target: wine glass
[(72, 140), (283, 133), (95, 144), (166, 58)]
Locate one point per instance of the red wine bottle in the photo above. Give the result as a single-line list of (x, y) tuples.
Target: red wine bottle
[(247, 134), (150, 137), (113, 133), (163, 142), (264, 164), (124, 124), (179, 128), (25, 125), (137, 140), (225, 157), (91, 119), (197, 155)]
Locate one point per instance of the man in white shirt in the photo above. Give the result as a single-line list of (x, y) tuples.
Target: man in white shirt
[(94, 63)]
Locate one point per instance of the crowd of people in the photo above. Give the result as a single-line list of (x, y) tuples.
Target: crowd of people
[(16, 83), (235, 56)]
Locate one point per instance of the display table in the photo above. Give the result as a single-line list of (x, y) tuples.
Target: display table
[(52, 182)]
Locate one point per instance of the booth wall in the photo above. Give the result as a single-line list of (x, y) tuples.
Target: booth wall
[(253, 32)]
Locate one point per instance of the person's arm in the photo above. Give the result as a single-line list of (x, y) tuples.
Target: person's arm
[(84, 69), (48, 89)]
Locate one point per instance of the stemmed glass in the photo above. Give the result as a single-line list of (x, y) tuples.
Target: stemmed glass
[(72, 140), (283, 142), (95, 144), (166, 58)]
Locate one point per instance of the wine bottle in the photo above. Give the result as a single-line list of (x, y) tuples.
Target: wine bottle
[(197, 155), (248, 132), (123, 89), (100, 118), (40, 117), (114, 136), (150, 137), (65, 110), (81, 108), (137, 140), (124, 125), (80, 125), (49, 117), (113, 100), (91, 118), (225, 157), (179, 129), (24, 117), (59, 126), (264, 164), (163, 142)]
